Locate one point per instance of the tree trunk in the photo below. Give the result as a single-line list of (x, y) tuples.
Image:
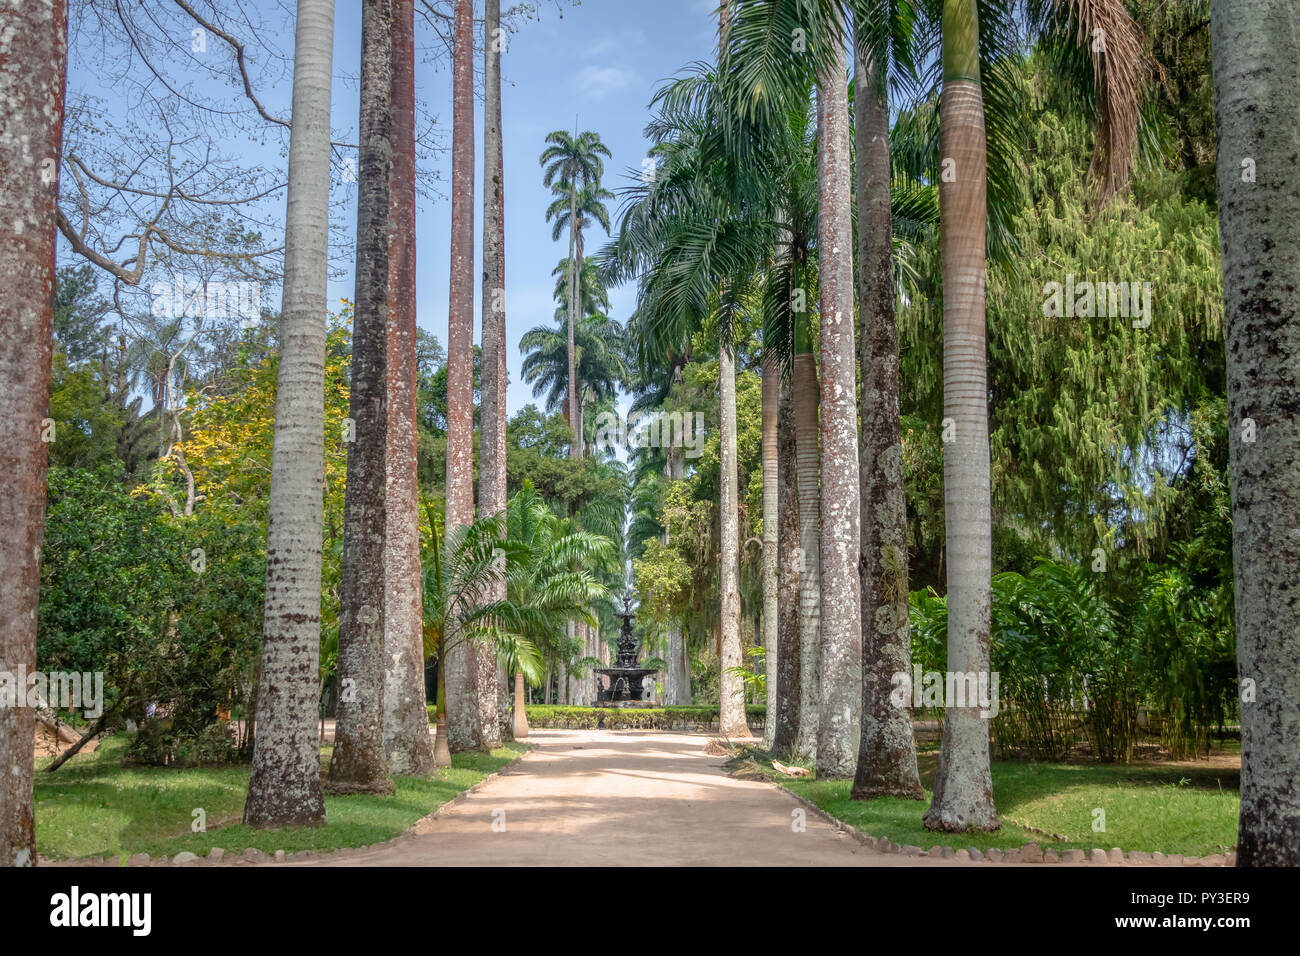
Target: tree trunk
[(31, 136), (839, 724), (887, 753), (731, 714), (788, 678), (575, 450), (406, 721), (462, 707), (1256, 74), (771, 613), (807, 453), (519, 726), (359, 763), (441, 750), (963, 785), (492, 446), (284, 786)]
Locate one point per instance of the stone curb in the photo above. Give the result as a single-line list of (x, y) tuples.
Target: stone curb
[(1027, 855)]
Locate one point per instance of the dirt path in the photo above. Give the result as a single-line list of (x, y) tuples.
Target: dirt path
[(601, 798)]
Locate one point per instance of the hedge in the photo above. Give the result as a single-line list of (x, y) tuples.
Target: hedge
[(637, 718)]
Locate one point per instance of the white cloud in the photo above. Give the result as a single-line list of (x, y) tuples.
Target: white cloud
[(597, 82)]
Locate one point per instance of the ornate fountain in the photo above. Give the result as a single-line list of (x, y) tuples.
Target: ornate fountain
[(625, 677)]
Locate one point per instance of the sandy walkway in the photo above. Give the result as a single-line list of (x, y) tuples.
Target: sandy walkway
[(600, 798)]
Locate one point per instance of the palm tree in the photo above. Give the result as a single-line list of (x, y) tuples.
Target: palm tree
[(572, 163), (575, 211), (33, 95), (462, 704), (1256, 60), (600, 362), (284, 782), (492, 464), (963, 794), (359, 763), (593, 298), (695, 239), (552, 576), (406, 721), (462, 568)]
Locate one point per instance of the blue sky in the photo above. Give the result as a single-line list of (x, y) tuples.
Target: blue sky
[(600, 61)]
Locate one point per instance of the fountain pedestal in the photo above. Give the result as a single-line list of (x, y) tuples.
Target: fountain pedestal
[(625, 677)]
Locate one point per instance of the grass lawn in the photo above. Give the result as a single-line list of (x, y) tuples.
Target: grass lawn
[(92, 806), (1173, 808)]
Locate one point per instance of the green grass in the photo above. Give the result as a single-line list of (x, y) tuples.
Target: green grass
[(1174, 809), (92, 806)]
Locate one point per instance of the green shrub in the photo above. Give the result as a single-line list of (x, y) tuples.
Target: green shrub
[(638, 718)]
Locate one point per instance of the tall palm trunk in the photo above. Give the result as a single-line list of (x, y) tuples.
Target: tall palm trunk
[(31, 137), (677, 686), (771, 644), (575, 450), (887, 754), (1256, 73), (359, 763), (731, 716), (441, 751), (788, 678), (462, 710), (406, 720), (492, 709), (838, 729), (284, 782), (807, 453), (519, 726), (963, 786)]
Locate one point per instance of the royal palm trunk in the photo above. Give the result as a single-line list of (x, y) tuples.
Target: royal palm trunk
[(963, 786), (838, 727), (807, 465), (788, 687), (771, 644), (441, 751), (519, 725), (284, 786), (1256, 75), (575, 450), (31, 135), (406, 721), (492, 446), (677, 682), (887, 751), (462, 707), (359, 763), (731, 715)]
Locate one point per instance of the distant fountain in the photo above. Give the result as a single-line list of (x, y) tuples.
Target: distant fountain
[(625, 677)]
